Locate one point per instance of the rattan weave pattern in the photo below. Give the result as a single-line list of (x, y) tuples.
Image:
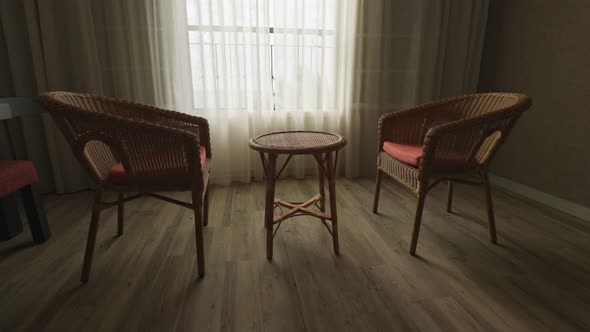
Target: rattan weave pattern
[(463, 146), (156, 147), (398, 170), (297, 142), (483, 122), (324, 149)]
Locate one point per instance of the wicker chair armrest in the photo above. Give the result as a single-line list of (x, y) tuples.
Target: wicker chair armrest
[(155, 153), (159, 116), (159, 154), (150, 152), (461, 144), (194, 124), (155, 146)]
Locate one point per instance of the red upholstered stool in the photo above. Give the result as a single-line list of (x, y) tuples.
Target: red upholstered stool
[(20, 175)]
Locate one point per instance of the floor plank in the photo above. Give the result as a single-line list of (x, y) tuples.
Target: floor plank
[(537, 277)]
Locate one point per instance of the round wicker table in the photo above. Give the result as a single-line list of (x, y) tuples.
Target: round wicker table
[(324, 148)]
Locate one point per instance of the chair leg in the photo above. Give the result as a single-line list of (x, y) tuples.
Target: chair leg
[(490, 207), (322, 188), (121, 214), (377, 190), (206, 206), (417, 222), (90, 243), (10, 224), (198, 210), (36, 214), (450, 198)]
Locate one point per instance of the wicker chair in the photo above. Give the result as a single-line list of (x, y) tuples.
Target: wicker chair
[(133, 148), (464, 134)]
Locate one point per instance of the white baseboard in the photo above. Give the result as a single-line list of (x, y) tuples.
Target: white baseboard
[(557, 203)]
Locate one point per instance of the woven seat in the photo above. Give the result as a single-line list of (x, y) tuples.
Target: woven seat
[(449, 140), (133, 148)]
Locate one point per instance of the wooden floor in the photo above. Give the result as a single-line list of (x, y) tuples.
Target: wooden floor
[(537, 278)]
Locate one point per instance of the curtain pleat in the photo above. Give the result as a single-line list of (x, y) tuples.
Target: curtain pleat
[(270, 65), (248, 66)]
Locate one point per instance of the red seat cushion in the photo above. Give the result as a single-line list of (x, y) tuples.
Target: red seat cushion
[(117, 173), (412, 153), (15, 174), (407, 153)]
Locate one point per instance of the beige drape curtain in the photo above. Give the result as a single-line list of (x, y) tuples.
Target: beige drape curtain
[(112, 47), (407, 51), (412, 51)]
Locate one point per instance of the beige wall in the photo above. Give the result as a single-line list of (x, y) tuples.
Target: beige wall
[(542, 48)]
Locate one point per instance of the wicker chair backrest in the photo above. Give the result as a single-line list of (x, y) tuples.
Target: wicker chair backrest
[(104, 131)]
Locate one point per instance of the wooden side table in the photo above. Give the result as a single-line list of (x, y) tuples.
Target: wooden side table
[(324, 148)]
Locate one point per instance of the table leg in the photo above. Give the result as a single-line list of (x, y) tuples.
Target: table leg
[(332, 189), (269, 172), (322, 201)]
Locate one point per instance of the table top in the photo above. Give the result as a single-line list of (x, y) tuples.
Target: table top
[(297, 142)]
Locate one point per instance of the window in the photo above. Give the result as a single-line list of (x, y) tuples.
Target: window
[(262, 53)]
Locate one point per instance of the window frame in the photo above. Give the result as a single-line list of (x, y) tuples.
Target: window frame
[(270, 30)]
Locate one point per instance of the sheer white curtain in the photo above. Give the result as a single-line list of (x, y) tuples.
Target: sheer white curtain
[(266, 65), (249, 66)]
